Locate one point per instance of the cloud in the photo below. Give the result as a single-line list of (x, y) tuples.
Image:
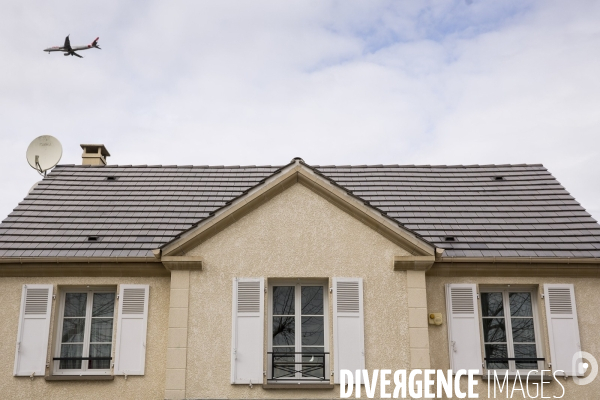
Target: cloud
[(333, 82)]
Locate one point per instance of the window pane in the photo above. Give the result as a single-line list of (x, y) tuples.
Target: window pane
[(494, 330), (71, 350), (491, 305), (73, 329), (104, 305), (525, 351), (284, 331), (284, 362), (312, 331), (312, 300), (520, 304), (75, 304), (102, 329), (313, 362), (283, 300), (99, 350), (522, 329), (496, 351)]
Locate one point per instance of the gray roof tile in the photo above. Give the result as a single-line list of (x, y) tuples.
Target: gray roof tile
[(512, 217), (528, 214)]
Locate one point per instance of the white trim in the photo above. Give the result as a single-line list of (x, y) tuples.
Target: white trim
[(90, 290), (468, 360), (257, 330), (338, 332), (563, 335), (298, 284), (505, 290), (122, 364), (39, 341), (233, 330)]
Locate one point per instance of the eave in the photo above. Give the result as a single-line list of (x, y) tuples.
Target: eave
[(537, 267)]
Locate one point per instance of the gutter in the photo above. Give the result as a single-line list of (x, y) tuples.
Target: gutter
[(88, 260), (521, 260)]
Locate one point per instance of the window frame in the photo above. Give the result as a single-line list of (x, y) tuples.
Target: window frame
[(57, 340), (536, 316), (298, 284)]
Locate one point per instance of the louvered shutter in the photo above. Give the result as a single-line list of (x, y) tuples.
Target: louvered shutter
[(348, 325), (463, 327), (563, 330), (132, 323), (34, 329), (247, 331)]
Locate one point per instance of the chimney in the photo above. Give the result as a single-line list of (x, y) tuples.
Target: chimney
[(94, 154)]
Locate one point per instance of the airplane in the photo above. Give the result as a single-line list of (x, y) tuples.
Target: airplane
[(70, 51)]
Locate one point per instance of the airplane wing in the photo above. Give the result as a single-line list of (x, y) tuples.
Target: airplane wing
[(75, 54), (67, 43)]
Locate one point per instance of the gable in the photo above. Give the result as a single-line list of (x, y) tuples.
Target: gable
[(297, 229), (327, 190)]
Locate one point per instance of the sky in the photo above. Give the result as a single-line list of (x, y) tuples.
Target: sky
[(334, 82)]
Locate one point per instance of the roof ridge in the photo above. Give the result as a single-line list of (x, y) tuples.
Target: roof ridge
[(166, 166), (428, 166), (313, 166)]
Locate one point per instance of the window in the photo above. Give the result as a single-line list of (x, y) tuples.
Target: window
[(298, 339), (298, 331), (506, 319), (86, 320), (510, 329), (84, 338)]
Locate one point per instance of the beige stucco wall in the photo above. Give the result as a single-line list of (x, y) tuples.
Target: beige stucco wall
[(297, 234), (149, 386), (588, 314)]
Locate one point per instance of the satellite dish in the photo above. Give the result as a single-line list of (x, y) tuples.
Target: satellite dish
[(44, 153)]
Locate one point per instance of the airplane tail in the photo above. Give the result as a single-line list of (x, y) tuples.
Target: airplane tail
[(95, 43)]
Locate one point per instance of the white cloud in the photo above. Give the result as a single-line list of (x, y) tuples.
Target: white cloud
[(334, 82)]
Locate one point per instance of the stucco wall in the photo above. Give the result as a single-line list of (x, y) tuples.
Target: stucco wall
[(587, 298), (297, 234), (149, 386)]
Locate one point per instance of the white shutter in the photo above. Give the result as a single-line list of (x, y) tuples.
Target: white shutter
[(34, 328), (563, 330), (463, 327), (247, 331), (348, 325), (132, 323)]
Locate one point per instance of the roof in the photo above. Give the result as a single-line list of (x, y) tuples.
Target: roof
[(131, 210)]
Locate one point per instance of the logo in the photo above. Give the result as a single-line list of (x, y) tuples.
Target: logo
[(430, 383), (582, 367)]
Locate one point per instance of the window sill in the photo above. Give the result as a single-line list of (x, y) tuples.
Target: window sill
[(80, 378), (298, 385)]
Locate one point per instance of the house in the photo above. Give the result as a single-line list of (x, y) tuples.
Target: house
[(267, 281)]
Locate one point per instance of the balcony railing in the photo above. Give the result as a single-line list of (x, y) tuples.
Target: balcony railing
[(298, 366), (506, 359), (90, 361)]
